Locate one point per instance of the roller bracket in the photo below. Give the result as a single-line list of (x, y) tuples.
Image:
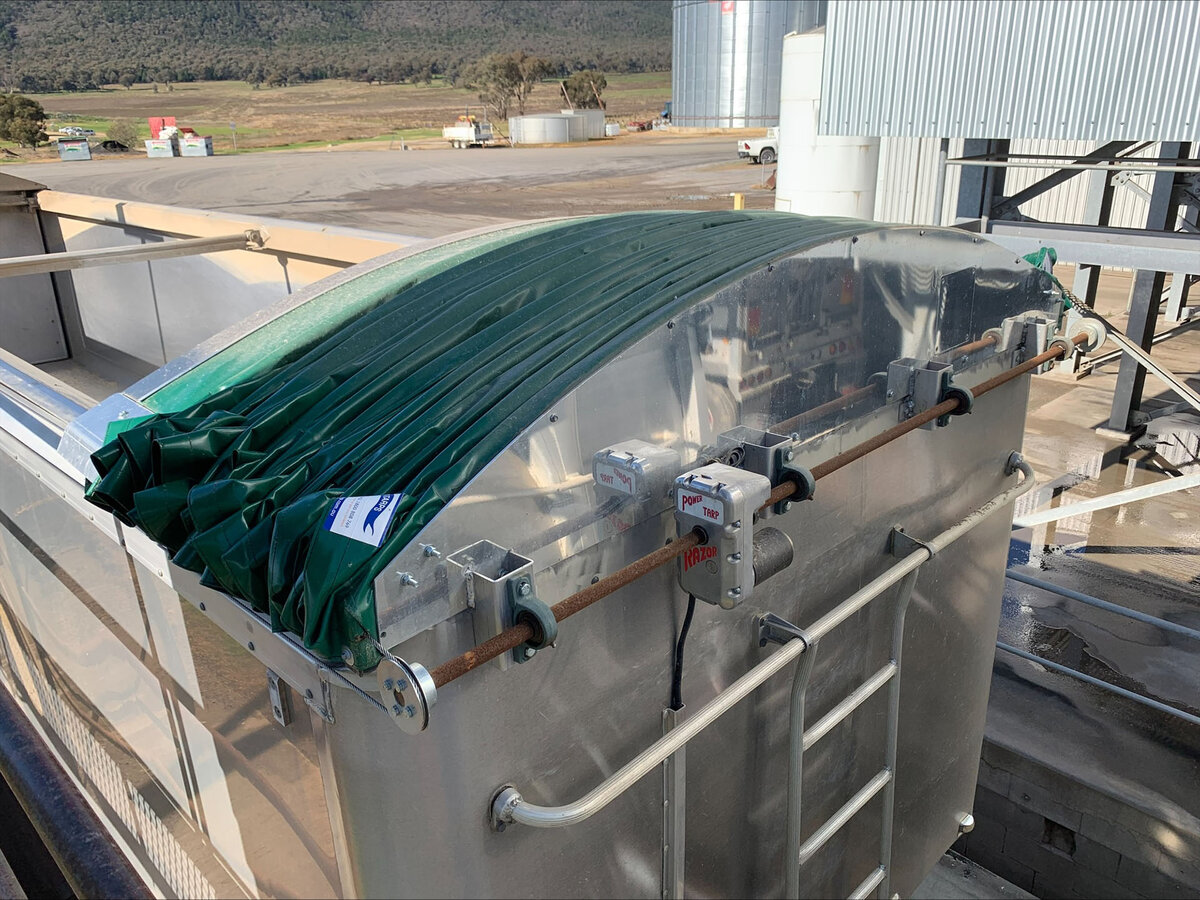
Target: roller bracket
[(407, 691), (901, 543), (956, 392), (802, 478), (525, 608)]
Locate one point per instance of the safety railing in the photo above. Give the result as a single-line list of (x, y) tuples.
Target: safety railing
[(1107, 606), (509, 806)]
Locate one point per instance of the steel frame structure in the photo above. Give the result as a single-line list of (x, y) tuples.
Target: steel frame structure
[(1170, 242)]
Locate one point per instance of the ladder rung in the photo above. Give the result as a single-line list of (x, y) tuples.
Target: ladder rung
[(835, 822), (869, 884), (849, 705)]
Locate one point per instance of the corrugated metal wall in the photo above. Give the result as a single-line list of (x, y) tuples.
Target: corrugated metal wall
[(907, 183), (726, 57), (1092, 70)]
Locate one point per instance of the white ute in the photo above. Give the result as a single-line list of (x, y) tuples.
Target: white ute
[(761, 150)]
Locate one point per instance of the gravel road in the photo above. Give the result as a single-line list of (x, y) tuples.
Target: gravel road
[(430, 192)]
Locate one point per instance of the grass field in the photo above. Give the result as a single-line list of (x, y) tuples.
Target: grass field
[(321, 112)]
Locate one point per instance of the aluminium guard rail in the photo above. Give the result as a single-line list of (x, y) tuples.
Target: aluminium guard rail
[(509, 805)]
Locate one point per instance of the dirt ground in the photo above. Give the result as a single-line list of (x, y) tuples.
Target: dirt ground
[(324, 111)]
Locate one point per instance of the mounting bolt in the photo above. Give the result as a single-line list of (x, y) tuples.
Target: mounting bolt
[(388, 684), (430, 550), (530, 652), (348, 656), (787, 456), (407, 578), (524, 588), (396, 710), (787, 505), (409, 712), (966, 824), (891, 394)]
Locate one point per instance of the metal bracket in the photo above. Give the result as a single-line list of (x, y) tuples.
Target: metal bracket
[(281, 699), (776, 630), (922, 385), (525, 606), (901, 543), (408, 693)]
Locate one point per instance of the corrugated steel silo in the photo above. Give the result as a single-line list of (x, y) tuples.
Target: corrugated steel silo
[(726, 58)]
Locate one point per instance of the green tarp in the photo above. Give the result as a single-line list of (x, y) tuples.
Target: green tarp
[(290, 468)]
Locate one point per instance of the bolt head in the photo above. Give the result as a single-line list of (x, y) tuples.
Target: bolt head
[(530, 652), (409, 712), (396, 710), (388, 684), (788, 455), (891, 394), (525, 589), (787, 505), (401, 684), (347, 655)]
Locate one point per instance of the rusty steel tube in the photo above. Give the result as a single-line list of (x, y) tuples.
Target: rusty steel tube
[(514, 637)]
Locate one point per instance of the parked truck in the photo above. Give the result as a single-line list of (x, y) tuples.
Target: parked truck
[(468, 132), (763, 150)]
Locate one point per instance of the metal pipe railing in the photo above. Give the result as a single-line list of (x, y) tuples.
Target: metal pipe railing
[(1100, 683), (509, 806), (1134, 614), (42, 263), (1107, 501)]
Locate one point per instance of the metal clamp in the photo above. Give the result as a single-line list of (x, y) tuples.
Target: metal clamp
[(776, 630), (802, 478), (527, 609), (901, 543)]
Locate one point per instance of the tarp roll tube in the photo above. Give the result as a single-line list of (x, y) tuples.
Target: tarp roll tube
[(408, 400)]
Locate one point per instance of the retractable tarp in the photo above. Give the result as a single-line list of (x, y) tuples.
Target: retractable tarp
[(292, 467)]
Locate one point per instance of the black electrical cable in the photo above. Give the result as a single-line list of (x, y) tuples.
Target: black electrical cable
[(677, 673)]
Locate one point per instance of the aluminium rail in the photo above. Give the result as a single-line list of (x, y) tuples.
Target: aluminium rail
[(1136, 615), (41, 263), (509, 806)]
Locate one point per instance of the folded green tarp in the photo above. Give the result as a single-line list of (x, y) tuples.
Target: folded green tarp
[(292, 466)]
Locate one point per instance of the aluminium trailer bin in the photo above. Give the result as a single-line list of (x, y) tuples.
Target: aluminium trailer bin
[(260, 641)]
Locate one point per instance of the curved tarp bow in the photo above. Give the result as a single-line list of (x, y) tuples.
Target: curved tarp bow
[(294, 485)]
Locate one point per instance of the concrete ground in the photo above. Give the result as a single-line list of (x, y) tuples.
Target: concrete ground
[(431, 192)]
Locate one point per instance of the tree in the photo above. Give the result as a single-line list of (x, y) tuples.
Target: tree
[(127, 81), (503, 79), (22, 120), (585, 87), (123, 131)]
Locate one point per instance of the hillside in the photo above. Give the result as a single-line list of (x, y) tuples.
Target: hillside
[(58, 45)]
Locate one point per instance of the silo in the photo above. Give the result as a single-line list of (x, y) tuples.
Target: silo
[(726, 59)]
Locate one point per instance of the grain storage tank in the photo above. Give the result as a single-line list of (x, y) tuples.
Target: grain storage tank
[(726, 59), (594, 119), (547, 128)]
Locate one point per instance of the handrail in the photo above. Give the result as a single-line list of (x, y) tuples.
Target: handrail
[(508, 804)]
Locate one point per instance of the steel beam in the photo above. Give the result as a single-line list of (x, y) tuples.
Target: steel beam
[(1096, 212), (107, 256), (1065, 173), (1133, 248), (978, 185), (1145, 294)]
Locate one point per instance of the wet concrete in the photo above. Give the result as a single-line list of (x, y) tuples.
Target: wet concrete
[(1128, 762)]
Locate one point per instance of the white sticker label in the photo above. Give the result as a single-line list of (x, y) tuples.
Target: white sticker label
[(365, 519), (611, 477), (701, 507)]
